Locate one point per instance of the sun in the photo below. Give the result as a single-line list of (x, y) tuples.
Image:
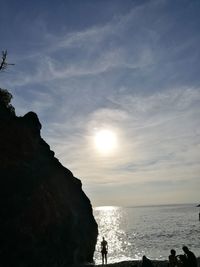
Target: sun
[(105, 141)]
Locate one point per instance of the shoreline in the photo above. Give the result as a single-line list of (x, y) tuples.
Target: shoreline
[(132, 263), (137, 263)]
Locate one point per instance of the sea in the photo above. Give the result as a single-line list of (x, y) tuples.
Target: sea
[(132, 232)]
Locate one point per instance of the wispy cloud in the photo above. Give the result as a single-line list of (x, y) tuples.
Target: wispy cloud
[(158, 140)]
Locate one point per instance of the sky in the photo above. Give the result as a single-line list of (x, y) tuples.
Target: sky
[(124, 69)]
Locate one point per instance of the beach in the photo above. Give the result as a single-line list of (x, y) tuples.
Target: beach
[(134, 263), (156, 263)]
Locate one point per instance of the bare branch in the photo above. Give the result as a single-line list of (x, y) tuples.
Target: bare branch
[(4, 64)]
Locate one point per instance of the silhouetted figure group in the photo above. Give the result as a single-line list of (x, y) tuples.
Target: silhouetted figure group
[(187, 259)]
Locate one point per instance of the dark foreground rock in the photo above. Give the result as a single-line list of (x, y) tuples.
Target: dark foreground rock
[(45, 217)]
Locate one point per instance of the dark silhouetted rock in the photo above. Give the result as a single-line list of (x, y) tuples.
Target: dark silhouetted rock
[(45, 217)]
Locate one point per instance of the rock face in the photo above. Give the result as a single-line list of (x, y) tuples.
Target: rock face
[(45, 217)]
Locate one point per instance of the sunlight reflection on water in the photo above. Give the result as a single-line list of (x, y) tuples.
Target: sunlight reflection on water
[(109, 221)]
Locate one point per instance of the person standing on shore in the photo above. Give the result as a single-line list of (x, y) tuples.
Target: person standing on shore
[(191, 260), (104, 250), (172, 259)]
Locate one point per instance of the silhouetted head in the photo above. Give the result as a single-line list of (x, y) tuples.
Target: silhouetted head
[(173, 252), (103, 238), (185, 249)]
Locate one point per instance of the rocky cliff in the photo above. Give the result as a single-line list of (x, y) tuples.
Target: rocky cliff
[(45, 217)]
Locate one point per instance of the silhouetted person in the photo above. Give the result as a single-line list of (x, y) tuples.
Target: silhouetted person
[(104, 250), (190, 257), (172, 259), (146, 262)]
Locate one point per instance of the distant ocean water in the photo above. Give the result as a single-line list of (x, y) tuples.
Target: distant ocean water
[(151, 231)]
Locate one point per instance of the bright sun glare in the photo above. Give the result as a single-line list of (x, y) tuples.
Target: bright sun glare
[(105, 141)]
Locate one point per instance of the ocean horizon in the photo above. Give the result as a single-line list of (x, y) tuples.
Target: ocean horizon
[(151, 230), (146, 205)]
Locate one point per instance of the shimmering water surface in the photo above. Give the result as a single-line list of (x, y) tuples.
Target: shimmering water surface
[(151, 231)]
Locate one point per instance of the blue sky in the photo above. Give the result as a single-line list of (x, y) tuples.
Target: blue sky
[(128, 66)]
